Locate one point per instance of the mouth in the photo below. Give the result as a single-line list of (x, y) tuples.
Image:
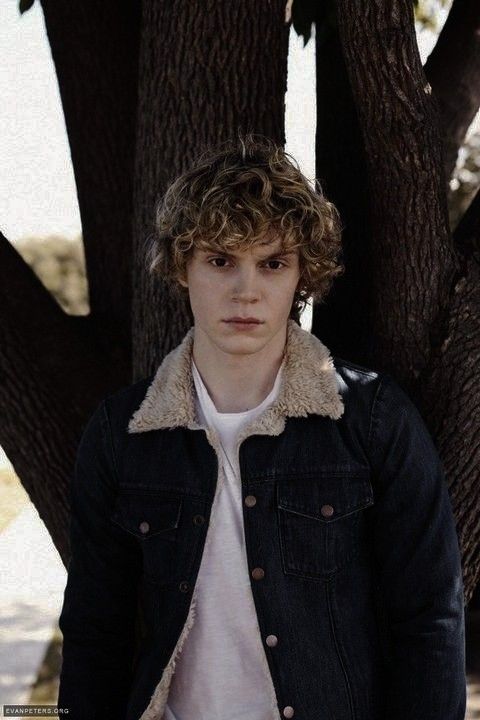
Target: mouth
[(241, 322)]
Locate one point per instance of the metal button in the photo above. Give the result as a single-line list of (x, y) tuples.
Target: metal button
[(250, 500), (327, 510), (271, 640), (258, 573), (144, 526), (184, 586), (288, 711), (198, 519)]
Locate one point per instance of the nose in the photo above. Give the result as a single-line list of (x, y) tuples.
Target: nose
[(245, 287)]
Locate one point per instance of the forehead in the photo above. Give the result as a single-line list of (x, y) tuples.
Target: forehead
[(260, 249)]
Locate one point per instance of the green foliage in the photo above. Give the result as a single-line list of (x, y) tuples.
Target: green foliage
[(59, 263)]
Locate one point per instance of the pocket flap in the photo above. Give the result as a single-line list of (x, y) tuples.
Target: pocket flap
[(327, 497), (145, 514)]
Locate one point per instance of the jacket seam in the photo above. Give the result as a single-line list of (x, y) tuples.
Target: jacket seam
[(328, 590), (109, 439), (376, 396)]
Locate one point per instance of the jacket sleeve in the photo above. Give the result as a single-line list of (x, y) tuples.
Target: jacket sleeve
[(419, 566), (98, 614)]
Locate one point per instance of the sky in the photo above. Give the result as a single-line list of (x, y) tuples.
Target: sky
[(37, 187)]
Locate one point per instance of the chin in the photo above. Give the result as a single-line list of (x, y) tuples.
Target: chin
[(241, 345)]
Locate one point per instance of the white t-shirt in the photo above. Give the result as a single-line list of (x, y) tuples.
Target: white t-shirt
[(220, 673)]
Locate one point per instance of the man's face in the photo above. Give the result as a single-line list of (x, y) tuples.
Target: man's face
[(257, 283)]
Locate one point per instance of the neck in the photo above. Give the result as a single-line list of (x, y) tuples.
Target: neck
[(229, 378)]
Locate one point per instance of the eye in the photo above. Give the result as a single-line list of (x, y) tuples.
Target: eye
[(279, 264), (222, 260)]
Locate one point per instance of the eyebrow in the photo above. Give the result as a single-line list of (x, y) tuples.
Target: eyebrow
[(279, 253)]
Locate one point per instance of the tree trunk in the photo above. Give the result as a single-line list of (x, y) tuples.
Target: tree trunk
[(55, 368), (343, 321), (453, 70), (207, 69), (53, 371), (425, 303)]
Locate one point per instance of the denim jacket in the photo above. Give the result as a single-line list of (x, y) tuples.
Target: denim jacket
[(352, 550)]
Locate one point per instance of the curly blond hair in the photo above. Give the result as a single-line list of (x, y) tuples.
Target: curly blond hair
[(233, 196)]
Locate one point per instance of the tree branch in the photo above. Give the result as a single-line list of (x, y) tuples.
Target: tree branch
[(453, 71), (413, 262), (95, 50), (53, 373)]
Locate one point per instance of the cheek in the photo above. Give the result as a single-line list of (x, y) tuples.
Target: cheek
[(284, 292), (204, 291)]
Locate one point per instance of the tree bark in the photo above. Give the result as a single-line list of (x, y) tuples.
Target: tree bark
[(95, 50), (55, 367), (413, 261), (207, 69), (425, 310)]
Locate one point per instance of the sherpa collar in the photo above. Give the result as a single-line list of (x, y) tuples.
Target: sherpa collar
[(308, 386)]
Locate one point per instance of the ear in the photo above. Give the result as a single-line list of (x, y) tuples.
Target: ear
[(182, 278)]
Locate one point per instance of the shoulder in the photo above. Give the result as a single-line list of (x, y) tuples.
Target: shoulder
[(121, 404), (357, 384), (379, 390), (355, 374)]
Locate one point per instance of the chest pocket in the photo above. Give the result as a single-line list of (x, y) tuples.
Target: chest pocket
[(321, 521), (154, 520)]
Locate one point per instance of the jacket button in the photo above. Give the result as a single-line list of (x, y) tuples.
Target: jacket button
[(288, 711), (258, 573), (250, 500), (271, 640), (184, 586), (327, 510), (198, 519), (144, 526)]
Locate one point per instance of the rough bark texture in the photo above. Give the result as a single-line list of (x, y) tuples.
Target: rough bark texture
[(425, 301), (55, 368), (453, 70), (413, 262), (207, 69)]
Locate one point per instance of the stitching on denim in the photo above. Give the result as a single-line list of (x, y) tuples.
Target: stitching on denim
[(329, 588), (378, 391), (110, 440)]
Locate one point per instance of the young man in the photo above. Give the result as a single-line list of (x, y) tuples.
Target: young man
[(259, 530)]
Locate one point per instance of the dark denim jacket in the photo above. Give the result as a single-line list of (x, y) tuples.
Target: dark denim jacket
[(351, 546)]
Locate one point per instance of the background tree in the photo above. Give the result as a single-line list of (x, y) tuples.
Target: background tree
[(144, 87), (388, 135)]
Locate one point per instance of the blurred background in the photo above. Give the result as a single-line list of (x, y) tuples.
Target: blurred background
[(39, 212)]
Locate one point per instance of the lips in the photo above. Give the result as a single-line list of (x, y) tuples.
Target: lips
[(248, 320)]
